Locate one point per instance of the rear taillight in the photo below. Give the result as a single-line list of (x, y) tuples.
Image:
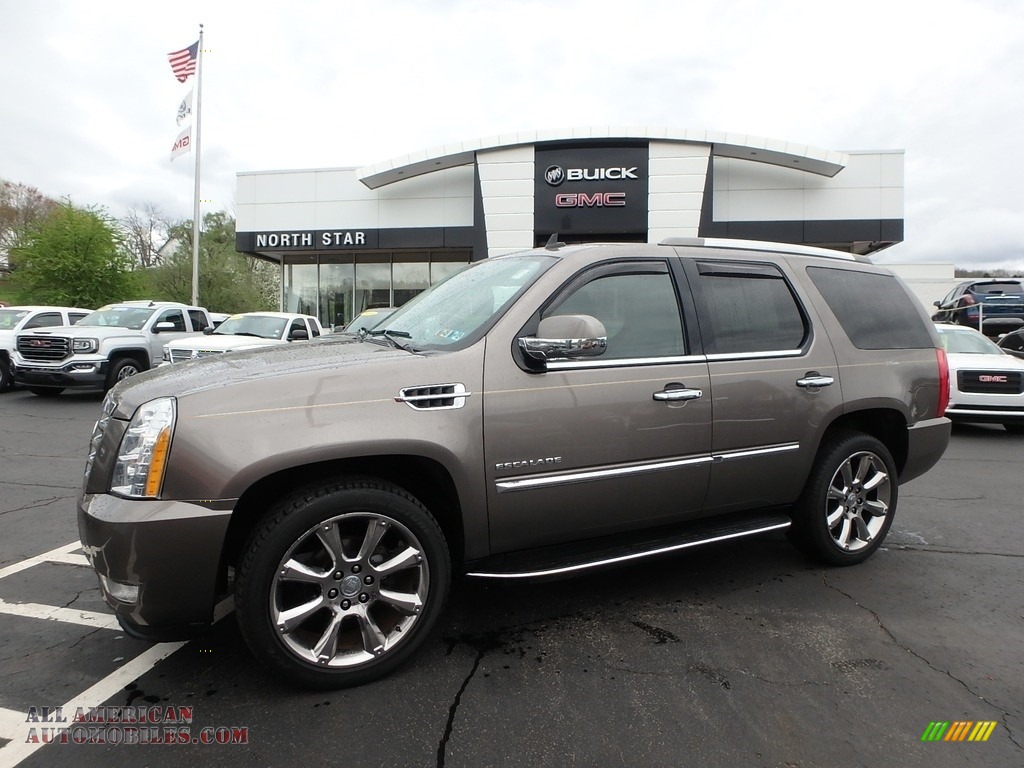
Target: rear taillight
[(943, 380)]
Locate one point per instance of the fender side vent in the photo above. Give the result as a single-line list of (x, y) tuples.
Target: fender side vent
[(434, 397)]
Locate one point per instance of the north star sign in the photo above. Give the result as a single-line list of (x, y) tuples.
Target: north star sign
[(324, 239)]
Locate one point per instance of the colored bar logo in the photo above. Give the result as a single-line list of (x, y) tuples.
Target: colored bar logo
[(959, 730)]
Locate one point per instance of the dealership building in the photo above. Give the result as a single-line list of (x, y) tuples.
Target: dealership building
[(352, 238)]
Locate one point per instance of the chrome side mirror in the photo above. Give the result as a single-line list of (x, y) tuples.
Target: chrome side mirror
[(566, 337)]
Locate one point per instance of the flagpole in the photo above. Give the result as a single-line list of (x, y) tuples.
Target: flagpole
[(196, 142)]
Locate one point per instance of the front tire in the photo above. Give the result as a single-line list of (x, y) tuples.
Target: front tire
[(121, 370), (341, 583), (6, 381), (849, 501)]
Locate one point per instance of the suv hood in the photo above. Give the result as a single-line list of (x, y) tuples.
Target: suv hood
[(84, 332), (223, 342), (283, 362)]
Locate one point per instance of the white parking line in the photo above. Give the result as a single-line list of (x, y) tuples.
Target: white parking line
[(69, 559), (14, 725), (56, 613), (10, 723), (53, 555)]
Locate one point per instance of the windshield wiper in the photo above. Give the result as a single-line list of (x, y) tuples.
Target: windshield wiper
[(392, 337)]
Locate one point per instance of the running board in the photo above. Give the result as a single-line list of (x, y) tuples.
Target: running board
[(568, 558)]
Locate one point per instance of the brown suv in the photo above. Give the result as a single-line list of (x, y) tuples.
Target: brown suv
[(535, 414)]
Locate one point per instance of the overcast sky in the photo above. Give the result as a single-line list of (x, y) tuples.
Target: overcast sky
[(89, 101)]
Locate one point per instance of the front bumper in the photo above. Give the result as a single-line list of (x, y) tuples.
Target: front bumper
[(82, 374), (167, 552), (986, 414)]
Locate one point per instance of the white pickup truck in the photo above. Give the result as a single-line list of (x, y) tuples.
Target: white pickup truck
[(13, 320), (114, 342)]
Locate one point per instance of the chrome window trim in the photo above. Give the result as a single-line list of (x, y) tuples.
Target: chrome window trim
[(632, 556), (584, 475), (725, 356), (625, 362)]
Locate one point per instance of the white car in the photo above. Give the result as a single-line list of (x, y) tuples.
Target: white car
[(249, 330), (13, 320), (985, 384)]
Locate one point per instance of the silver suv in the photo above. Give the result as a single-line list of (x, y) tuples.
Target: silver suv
[(535, 414)]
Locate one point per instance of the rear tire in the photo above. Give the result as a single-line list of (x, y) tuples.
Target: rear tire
[(849, 501), (341, 583)]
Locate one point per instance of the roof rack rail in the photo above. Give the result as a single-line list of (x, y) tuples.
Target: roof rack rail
[(763, 245)]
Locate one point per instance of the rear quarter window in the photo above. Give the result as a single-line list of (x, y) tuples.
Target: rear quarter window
[(875, 310)]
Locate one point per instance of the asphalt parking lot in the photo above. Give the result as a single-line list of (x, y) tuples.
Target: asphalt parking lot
[(740, 654)]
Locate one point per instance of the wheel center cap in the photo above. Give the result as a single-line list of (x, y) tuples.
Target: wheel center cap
[(350, 585)]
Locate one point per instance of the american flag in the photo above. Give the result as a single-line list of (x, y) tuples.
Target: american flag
[(183, 62)]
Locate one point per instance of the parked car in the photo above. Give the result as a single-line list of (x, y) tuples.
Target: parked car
[(13, 320), (991, 306), (368, 318), (1012, 343), (534, 415), (986, 384), (249, 330), (113, 343)]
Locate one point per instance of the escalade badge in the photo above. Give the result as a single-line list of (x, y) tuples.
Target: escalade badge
[(529, 463)]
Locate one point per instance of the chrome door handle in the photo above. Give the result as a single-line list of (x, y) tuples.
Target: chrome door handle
[(814, 380), (678, 394)]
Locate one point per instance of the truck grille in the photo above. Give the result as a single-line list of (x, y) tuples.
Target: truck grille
[(179, 355), (990, 382), (44, 348)]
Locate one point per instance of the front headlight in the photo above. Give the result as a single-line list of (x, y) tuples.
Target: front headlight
[(85, 345), (142, 455)]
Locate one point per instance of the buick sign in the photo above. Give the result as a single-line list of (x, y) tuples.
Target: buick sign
[(554, 175)]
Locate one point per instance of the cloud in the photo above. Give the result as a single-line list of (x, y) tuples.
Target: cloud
[(90, 112)]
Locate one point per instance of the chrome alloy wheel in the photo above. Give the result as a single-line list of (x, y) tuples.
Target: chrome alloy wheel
[(858, 501), (349, 590), (127, 370)]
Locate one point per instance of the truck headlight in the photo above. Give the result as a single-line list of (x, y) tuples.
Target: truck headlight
[(85, 345), (142, 455)]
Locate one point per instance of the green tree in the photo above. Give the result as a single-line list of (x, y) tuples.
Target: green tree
[(228, 281), (71, 256)]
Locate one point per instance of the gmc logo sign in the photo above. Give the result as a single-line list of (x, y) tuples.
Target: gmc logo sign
[(596, 200), (990, 378)]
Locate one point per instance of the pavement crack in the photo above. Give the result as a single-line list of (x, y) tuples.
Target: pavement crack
[(932, 549), (454, 708), (878, 619)]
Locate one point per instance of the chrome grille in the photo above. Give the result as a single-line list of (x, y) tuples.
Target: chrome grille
[(44, 348), (178, 355), (990, 382)]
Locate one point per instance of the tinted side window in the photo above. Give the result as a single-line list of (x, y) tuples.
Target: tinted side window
[(875, 310), (74, 317), (198, 319), (748, 308), (314, 329), (44, 320), (173, 316), (639, 311)]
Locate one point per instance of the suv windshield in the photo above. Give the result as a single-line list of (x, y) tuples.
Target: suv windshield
[(455, 312), (252, 325), (967, 342), (119, 317), (11, 317)]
